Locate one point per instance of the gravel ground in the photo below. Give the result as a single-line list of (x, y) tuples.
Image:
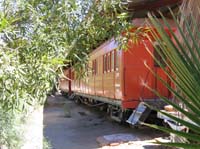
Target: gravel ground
[(80, 128)]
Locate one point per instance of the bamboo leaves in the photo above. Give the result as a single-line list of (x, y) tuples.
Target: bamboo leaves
[(182, 53)]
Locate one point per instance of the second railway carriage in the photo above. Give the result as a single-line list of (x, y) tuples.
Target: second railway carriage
[(117, 80)]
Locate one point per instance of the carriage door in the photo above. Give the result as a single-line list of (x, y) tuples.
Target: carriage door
[(160, 60)]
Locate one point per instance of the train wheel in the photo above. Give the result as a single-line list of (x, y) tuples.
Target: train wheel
[(77, 100), (116, 114), (122, 116), (103, 108), (134, 126)]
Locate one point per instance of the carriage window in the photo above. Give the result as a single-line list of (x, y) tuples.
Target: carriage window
[(98, 66), (112, 60), (108, 62), (116, 60), (94, 67), (158, 54), (104, 63)]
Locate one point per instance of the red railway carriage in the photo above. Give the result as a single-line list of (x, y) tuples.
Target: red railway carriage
[(116, 78)]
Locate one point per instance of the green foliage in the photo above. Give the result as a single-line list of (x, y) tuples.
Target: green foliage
[(46, 144), (105, 19), (10, 130), (33, 45), (183, 69)]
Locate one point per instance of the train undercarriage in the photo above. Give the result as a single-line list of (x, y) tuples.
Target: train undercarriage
[(145, 111)]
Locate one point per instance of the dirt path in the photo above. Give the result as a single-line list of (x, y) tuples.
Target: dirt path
[(81, 130)]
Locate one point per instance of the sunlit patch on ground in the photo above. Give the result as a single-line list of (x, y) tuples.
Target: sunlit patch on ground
[(128, 141)]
